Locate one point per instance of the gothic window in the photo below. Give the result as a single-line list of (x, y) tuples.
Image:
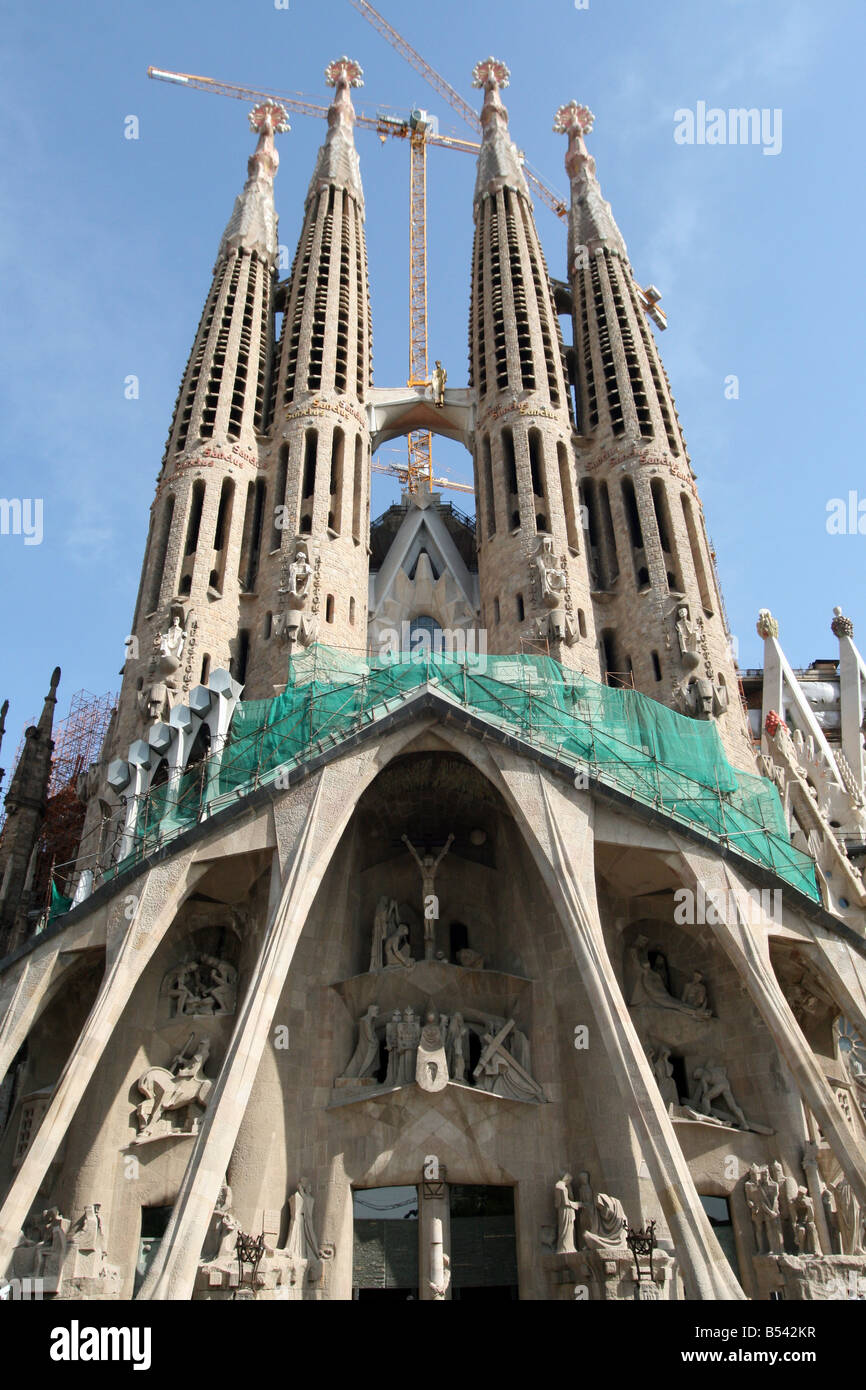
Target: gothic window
[(357, 491), (566, 485), (329, 608), (160, 552), (252, 536), (280, 496), (194, 522), (697, 557), (665, 530), (521, 609), (489, 496), (338, 447)]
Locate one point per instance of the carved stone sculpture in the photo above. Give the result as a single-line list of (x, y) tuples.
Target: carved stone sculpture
[(713, 1084), (438, 380), (428, 864), (695, 994), (701, 698), (501, 1073), (566, 1212), (805, 1230), (664, 1075), (849, 1217), (408, 1036), (365, 1059), (204, 988), (688, 639), (392, 1045), (469, 959), (303, 1243), (762, 1199), (552, 578), (767, 625), (298, 623), (71, 1259), (182, 1088), (397, 947), (457, 1047), (649, 987), (384, 923), (608, 1225), (431, 1066)]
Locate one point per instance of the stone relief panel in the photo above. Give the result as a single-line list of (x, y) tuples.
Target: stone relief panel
[(175, 1097)]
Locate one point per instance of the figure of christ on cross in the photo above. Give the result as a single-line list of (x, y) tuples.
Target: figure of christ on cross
[(429, 906)]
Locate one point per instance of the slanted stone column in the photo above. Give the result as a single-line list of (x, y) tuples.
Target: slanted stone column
[(747, 947), (163, 892), (559, 830)]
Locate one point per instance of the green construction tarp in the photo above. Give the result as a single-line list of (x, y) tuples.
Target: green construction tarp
[(622, 738)]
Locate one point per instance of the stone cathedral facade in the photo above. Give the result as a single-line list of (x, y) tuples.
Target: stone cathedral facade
[(450, 920)]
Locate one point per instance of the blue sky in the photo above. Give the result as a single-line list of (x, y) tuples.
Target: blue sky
[(107, 245)]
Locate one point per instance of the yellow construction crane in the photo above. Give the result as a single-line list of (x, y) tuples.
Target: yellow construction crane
[(420, 131), (649, 297)]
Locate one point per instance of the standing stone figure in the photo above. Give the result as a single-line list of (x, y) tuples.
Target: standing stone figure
[(566, 1212), (392, 1046), (762, 1199), (365, 1058), (438, 380), (428, 866), (805, 1230), (664, 1074), (384, 922), (303, 1243), (408, 1036), (849, 1217), (456, 1047)]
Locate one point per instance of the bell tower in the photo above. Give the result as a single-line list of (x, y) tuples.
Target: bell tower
[(658, 609), (206, 519), (315, 578), (532, 564)]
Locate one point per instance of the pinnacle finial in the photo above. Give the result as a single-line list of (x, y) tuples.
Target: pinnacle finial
[(344, 70), (841, 626), (766, 624), (269, 118), (573, 116), (490, 72)]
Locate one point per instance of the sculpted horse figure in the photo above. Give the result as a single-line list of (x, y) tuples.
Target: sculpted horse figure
[(174, 1088)]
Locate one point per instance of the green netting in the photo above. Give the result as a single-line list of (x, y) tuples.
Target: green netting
[(624, 739), (59, 904)]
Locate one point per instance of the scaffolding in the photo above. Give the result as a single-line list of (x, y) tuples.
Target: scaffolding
[(613, 737), (78, 740)]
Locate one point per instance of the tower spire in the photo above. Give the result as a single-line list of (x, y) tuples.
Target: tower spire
[(655, 593), (532, 565), (26, 803), (591, 222), (499, 160), (253, 223), (320, 452), (338, 165)]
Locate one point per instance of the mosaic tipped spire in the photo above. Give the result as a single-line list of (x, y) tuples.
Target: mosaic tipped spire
[(591, 220), (500, 163), (337, 164), (253, 223)]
